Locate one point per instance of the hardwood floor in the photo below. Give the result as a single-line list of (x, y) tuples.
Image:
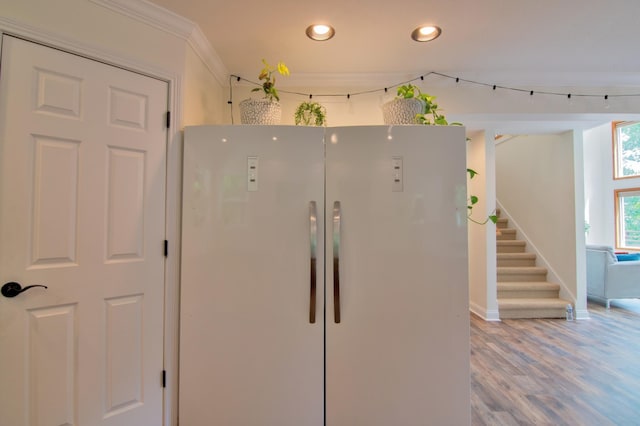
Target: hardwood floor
[(557, 372)]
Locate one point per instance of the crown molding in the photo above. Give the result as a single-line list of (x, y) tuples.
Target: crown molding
[(174, 24), (205, 51)]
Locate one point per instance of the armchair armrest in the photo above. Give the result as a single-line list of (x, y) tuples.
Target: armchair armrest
[(623, 280)]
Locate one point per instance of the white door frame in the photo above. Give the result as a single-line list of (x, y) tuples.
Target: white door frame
[(173, 185)]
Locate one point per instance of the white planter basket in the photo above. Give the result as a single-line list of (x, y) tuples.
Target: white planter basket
[(260, 111), (402, 111)]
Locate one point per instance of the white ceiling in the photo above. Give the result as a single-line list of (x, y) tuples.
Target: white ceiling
[(591, 45), (543, 42)]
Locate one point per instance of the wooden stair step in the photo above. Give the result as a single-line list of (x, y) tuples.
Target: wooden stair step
[(510, 246), (532, 308), (521, 273), (505, 234), (516, 259), (528, 290), (502, 222)]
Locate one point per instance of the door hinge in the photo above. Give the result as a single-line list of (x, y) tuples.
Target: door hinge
[(168, 119), (166, 248), (164, 378)]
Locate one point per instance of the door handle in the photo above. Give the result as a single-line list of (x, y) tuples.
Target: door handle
[(336, 261), (313, 242), (12, 289)]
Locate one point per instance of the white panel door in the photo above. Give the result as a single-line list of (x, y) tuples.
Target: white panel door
[(249, 353), (400, 353), (82, 197)]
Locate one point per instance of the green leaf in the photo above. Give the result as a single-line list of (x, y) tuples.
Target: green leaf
[(473, 199), (472, 173), (493, 218)]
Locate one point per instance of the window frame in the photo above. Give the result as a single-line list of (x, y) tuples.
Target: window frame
[(619, 226), (616, 156)]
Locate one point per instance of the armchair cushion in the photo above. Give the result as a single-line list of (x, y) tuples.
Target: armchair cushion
[(624, 257)]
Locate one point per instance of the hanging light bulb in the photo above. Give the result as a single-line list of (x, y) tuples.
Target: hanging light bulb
[(606, 102)]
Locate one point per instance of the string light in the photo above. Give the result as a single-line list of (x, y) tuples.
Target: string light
[(569, 96)]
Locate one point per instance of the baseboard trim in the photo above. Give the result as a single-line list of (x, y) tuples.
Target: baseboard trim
[(487, 315), (582, 314)]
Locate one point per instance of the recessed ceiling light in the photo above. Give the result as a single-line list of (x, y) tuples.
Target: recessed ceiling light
[(320, 32), (426, 33)]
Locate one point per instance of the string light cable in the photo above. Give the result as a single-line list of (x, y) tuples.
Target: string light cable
[(569, 96)]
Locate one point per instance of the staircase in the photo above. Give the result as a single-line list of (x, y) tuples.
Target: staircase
[(523, 290)]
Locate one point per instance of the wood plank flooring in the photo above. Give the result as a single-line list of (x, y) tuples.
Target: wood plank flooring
[(557, 372)]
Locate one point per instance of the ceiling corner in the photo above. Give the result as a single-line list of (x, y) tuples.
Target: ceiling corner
[(174, 24)]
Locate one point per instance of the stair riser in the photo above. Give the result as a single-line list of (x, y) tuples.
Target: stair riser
[(528, 294), (532, 313), (504, 235), (509, 248), (516, 262), (529, 276)]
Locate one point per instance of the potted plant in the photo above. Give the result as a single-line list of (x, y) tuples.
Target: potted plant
[(310, 114), (411, 106), (266, 110)]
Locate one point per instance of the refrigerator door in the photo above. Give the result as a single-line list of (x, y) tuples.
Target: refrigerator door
[(251, 345), (399, 352)]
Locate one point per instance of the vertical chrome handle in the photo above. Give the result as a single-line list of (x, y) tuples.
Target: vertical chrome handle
[(313, 241), (336, 261)]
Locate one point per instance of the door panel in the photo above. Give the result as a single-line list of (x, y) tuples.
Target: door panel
[(400, 354), (82, 197), (51, 364), (249, 355), (55, 202)]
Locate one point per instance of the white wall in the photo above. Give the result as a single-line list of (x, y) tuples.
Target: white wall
[(358, 110), (536, 186), (204, 98), (482, 238), (598, 191), (478, 107), (93, 25)]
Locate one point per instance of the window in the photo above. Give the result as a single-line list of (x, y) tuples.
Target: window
[(626, 152), (628, 218)]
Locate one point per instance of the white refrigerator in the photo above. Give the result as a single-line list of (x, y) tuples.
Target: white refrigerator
[(324, 277)]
